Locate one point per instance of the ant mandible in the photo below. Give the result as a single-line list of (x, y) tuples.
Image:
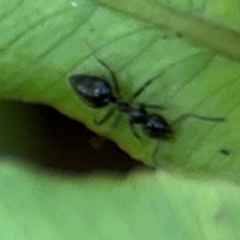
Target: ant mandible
[(98, 93)]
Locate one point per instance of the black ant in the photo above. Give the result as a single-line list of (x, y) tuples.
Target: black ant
[(98, 93)]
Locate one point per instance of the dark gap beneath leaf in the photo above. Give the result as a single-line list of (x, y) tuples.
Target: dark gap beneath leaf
[(55, 143)]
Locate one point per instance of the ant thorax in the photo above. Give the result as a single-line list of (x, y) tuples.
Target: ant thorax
[(123, 105), (137, 114)]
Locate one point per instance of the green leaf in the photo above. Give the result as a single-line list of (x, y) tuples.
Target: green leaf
[(143, 206), (191, 47)]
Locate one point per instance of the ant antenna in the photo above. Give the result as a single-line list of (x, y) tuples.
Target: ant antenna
[(112, 74), (184, 117), (189, 115)]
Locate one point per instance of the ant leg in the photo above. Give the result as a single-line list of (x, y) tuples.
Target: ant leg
[(116, 121), (155, 151), (135, 133), (109, 114), (113, 76), (142, 88), (189, 115)]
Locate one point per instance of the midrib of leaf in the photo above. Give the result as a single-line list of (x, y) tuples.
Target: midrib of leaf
[(220, 40)]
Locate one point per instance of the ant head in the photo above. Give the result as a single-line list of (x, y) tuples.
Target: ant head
[(95, 91), (157, 127)]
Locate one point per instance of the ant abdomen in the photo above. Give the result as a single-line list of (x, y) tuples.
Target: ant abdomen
[(95, 91), (138, 115)]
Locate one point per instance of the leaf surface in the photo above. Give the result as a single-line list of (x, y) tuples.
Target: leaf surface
[(191, 47), (143, 206)]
